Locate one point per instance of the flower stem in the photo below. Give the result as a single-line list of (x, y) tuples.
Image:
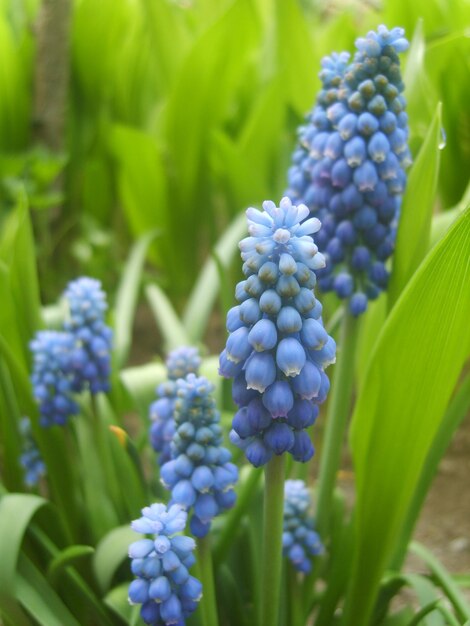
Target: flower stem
[(208, 601), (337, 416), (272, 548)]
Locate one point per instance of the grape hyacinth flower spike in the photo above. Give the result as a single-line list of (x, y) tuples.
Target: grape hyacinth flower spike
[(163, 586), (277, 349), (52, 377), (300, 542), (30, 458), (93, 338), (200, 474), (179, 364), (349, 165)]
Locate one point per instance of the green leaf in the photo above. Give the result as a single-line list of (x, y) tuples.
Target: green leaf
[(10, 416), (66, 557), (142, 185), (455, 413), (416, 212), (412, 373), (444, 580), (17, 248), (126, 298), (110, 553), (39, 598), (421, 97), (16, 512), (140, 381), (168, 322), (204, 292)]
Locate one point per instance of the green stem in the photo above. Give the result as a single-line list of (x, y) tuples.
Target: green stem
[(296, 605), (208, 601), (337, 416), (272, 536)]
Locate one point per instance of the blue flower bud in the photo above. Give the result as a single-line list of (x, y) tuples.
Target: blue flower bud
[(249, 311), (290, 356), (263, 335), (270, 302), (303, 449), (233, 319), (238, 346), (343, 284), (279, 437), (138, 591), (258, 453), (289, 320), (260, 371), (171, 610), (358, 304), (278, 399), (159, 589)]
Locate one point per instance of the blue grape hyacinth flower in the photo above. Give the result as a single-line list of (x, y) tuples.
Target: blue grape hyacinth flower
[(30, 458), (53, 377), (277, 349), (200, 474), (300, 542), (93, 338), (349, 165), (163, 586), (179, 364)]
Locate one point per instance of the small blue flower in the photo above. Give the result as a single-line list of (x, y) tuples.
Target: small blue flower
[(30, 458), (53, 378), (200, 474), (179, 364), (277, 354), (163, 585), (299, 540), (349, 165), (93, 338)]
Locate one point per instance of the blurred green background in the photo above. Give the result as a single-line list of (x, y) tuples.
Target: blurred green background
[(178, 114)]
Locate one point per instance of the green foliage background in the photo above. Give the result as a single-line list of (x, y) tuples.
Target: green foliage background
[(180, 115)]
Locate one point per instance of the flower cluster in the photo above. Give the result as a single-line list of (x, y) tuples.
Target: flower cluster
[(179, 364), (299, 540), (349, 165), (200, 474), (164, 587), (74, 359), (277, 349), (91, 358), (30, 458), (52, 378)]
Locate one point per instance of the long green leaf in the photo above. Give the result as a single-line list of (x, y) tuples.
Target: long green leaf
[(67, 556), (444, 580), (416, 213), (39, 598), (412, 373), (455, 413), (110, 553), (171, 328), (204, 293), (16, 512), (126, 298)]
